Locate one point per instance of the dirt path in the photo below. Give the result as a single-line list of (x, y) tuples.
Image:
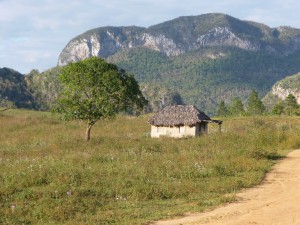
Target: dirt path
[(276, 201)]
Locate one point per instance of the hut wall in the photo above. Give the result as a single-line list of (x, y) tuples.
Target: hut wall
[(201, 128), (176, 131), (190, 131)]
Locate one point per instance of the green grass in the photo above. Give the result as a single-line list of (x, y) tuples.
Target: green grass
[(50, 175)]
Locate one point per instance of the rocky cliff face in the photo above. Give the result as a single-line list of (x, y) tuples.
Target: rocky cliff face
[(223, 36), (289, 85), (182, 35), (108, 42), (281, 89)]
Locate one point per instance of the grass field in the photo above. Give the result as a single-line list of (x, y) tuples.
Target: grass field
[(50, 175)]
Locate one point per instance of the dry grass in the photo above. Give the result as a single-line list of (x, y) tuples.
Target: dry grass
[(50, 175)]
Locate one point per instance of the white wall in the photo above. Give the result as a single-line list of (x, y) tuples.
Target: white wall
[(176, 131)]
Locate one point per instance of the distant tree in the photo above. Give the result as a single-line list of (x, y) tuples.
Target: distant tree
[(94, 89), (44, 87), (222, 110), (159, 97), (5, 104), (291, 106), (278, 109), (255, 105), (236, 107)]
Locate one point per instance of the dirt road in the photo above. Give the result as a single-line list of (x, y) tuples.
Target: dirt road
[(275, 202)]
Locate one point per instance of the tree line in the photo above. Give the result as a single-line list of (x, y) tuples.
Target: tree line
[(255, 106), (205, 81)]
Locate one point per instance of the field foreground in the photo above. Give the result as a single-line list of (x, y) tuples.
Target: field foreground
[(276, 201), (50, 175)]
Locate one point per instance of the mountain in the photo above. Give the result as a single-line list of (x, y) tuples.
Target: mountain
[(182, 35), (204, 59), (198, 60), (13, 89), (39, 90), (44, 87), (281, 89)]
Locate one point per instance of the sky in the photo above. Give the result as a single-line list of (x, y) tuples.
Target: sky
[(34, 32)]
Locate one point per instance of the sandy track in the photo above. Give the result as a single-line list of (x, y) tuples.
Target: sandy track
[(276, 201)]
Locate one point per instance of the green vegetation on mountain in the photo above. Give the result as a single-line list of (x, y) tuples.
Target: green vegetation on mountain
[(205, 59), (159, 97), (204, 77), (281, 89), (186, 28), (200, 60), (291, 82), (207, 76), (252, 107), (44, 87), (13, 89), (147, 65)]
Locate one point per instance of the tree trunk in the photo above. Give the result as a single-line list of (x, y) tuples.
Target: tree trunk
[(88, 132)]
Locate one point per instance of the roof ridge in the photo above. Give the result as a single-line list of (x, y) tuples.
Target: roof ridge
[(175, 115)]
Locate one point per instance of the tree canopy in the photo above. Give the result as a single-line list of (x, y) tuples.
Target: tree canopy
[(222, 110), (291, 106), (255, 105), (278, 109), (93, 89), (236, 107)]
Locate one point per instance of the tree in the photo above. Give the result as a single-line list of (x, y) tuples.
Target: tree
[(222, 110), (278, 109), (159, 97), (93, 89), (5, 104), (255, 105), (291, 106), (236, 107), (44, 87)]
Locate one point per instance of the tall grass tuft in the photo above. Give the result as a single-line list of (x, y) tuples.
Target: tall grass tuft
[(50, 175)]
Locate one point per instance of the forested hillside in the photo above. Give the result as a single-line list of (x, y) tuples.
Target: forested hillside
[(201, 60), (206, 77), (44, 87), (205, 59), (282, 89), (13, 89), (39, 90)]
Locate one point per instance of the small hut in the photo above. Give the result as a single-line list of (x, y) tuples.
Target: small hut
[(179, 121)]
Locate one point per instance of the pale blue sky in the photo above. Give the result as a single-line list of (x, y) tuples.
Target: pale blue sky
[(33, 32)]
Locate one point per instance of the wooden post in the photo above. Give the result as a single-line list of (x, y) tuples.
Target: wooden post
[(220, 127)]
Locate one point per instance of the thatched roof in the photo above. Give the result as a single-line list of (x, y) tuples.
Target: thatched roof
[(179, 115)]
